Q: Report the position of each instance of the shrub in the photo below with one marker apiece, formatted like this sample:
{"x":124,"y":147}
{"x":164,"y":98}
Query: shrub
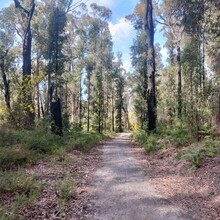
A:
{"x":18,"y":182}
{"x":83,"y":141}
{"x":12,"y":157}
{"x":148,"y":142}
{"x":151,"y":145}
{"x":200,"y":150}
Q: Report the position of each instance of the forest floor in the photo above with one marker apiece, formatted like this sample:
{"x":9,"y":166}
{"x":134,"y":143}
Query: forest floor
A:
{"x":117,"y":180}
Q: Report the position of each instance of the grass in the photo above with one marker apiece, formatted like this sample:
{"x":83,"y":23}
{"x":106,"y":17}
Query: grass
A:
{"x":179,"y":137}
{"x":11,"y":182}
{"x":19,"y":148}
{"x":24,"y":189}
{"x":162,"y":138}
{"x":200,"y":150}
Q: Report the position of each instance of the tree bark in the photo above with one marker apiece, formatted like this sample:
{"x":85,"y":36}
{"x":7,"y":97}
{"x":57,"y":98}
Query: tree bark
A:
{"x":179,"y":92}
{"x":113,"y":113}
{"x":89,"y":99}
{"x":5,"y":81}
{"x":80,"y":101}
{"x":149,"y":28}
{"x":38,"y":89}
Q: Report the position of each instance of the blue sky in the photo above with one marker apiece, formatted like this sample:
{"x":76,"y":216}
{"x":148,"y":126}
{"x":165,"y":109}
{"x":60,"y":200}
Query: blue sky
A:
{"x":122,"y":31}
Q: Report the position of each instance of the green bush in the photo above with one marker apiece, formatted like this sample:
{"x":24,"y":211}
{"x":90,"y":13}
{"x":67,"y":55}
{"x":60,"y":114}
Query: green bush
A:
{"x":151,"y":145}
{"x":200,"y":150}
{"x":66,"y":188}
{"x":86,"y":141}
{"x":148,"y":142}
{"x":24,"y":188}
{"x":179,"y":136}
{"x":195,"y":157}
{"x":18,"y":182}
{"x":12,"y":157}
{"x":20,"y":147}
{"x":141,"y":137}
{"x":163,"y":137}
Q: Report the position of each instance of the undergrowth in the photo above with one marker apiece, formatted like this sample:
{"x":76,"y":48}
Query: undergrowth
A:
{"x":163,"y":138}
{"x":200,"y":150}
{"x":179,"y":137}
{"x":23,"y":188}
{"x":19,"y":148}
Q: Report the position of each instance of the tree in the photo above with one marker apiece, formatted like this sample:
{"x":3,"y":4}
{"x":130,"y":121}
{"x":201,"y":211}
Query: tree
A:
{"x":26,"y":95}
{"x":151,"y":89}
{"x":171,"y":16}
{"x":119,"y":82}
{"x":5,"y":44}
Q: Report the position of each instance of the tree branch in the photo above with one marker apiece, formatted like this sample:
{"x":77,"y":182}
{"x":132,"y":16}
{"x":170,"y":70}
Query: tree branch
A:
{"x":75,"y":5}
{"x":18,"y":5}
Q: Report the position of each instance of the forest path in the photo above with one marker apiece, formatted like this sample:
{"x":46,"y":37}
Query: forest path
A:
{"x":121,"y":189}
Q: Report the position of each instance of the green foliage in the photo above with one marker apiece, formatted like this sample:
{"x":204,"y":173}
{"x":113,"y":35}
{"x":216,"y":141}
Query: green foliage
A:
{"x":21,"y":147}
{"x":12,"y":157}
{"x":200,"y":150}
{"x":84,"y":141}
{"x":148,"y":142}
{"x":140,"y":136}
{"x":66,"y":188}
{"x":18,"y":182}
{"x":24,"y":188}
{"x":163,"y":138}
{"x":151,"y":145}
{"x":178,"y":135}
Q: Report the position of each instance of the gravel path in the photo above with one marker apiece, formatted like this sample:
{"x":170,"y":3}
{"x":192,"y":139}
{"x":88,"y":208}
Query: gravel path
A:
{"x":121,"y":189}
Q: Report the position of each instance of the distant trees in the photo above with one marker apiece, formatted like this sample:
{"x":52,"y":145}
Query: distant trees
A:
{"x":70,"y":73}
{"x":57,"y":63}
{"x":186,"y":94}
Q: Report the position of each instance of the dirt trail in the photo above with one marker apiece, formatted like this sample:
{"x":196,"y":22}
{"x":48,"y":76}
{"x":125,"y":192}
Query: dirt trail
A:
{"x":121,"y":189}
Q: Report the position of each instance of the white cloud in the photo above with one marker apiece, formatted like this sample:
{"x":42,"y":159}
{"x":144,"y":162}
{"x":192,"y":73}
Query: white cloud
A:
{"x":121,"y":30}
{"x":164,"y":53}
{"x":122,"y":34}
{"x":127,"y":65}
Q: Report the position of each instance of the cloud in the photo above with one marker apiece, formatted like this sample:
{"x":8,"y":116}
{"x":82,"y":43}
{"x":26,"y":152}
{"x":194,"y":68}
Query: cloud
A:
{"x":121,"y":30}
{"x":127,"y":64}
{"x":164,"y":53}
{"x":122,"y":35}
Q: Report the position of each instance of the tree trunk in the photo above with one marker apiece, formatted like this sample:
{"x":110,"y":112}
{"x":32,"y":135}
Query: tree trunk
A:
{"x":38,"y":89}
{"x":26,"y":94}
{"x":56,"y":113}
{"x":88,"y":100}
{"x":127,"y":118}
{"x":5,"y":81}
{"x":113,"y":113}
{"x":179,"y":92}
{"x":149,"y":28}
{"x":80,"y":101}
